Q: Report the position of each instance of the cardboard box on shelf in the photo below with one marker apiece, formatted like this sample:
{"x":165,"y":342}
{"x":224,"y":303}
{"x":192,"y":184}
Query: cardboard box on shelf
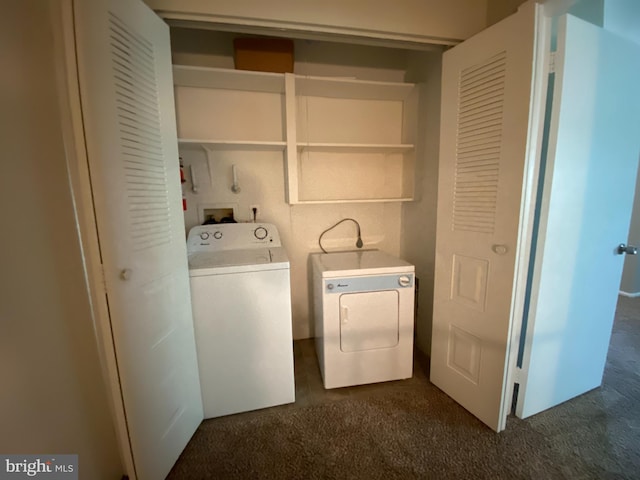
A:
{"x":263,"y":54}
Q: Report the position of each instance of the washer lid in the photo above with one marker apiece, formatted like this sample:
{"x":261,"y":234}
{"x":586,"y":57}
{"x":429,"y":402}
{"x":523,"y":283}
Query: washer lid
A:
{"x":232,"y":261}
{"x":354,"y":263}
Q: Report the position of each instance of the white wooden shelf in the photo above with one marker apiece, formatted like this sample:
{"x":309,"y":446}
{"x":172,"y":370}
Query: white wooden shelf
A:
{"x":333,"y":87}
{"x":352,"y":88}
{"x":222,"y":78}
{"x":355,"y":147}
{"x":233,"y":144}
{"x":357,"y":113}
{"x":356,"y":200}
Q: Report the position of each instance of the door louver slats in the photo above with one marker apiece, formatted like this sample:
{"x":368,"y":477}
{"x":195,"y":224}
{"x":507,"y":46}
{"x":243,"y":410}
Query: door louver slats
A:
{"x":140,"y":133}
{"x":478,"y":141}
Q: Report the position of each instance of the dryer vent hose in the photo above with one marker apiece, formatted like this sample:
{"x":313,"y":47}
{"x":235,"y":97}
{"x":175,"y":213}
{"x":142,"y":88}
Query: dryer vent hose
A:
{"x":359,"y":243}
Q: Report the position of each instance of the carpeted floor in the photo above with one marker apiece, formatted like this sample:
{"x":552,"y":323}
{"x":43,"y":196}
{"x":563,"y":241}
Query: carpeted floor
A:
{"x":410,"y":429}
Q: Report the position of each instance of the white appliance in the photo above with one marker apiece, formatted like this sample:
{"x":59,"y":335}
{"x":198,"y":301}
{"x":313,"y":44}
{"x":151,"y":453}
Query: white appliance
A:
{"x":364,"y":308}
{"x":241,"y":297}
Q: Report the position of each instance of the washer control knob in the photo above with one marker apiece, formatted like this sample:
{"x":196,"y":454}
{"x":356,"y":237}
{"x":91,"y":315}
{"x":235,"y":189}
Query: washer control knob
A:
{"x":329,"y":286}
{"x":260,"y":233}
{"x":217,"y":235}
{"x":204,"y":235}
{"x":404,"y":281}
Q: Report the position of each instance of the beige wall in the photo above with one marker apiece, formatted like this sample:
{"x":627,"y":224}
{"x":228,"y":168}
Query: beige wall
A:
{"x":53,"y":398}
{"x":631,"y":273}
{"x":419,"y":217}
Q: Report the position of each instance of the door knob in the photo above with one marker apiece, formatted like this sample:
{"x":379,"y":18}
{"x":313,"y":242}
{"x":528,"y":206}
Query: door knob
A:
{"x":500,"y":249}
{"x":125,"y":274}
{"x":628,"y":249}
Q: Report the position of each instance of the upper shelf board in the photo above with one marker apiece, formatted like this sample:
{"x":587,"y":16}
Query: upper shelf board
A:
{"x":232,"y":144}
{"x":356,"y":147}
{"x":205,"y":77}
{"x":352,"y":88}
{"x":332,"y":87}
{"x":355,"y":200}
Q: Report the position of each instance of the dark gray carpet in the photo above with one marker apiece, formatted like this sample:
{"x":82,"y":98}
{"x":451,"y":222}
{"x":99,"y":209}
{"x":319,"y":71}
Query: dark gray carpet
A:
{"x":410,"y":429}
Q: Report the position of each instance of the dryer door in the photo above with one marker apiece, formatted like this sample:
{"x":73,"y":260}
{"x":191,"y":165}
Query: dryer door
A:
{"x":368,"y":320}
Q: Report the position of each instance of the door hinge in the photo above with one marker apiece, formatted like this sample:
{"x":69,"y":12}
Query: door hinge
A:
{"x":103,"y":278}
{"x":552,"y":62}
{"x":518,"y":375}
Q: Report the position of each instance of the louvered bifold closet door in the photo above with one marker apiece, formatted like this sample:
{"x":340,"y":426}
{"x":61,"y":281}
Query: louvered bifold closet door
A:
{"x":128,"y":113}
{"x":486,"y":85}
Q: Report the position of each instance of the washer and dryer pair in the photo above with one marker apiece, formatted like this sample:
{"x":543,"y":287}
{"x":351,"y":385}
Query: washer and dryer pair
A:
{"x":241,"y":298}
{"x":364,"y":312}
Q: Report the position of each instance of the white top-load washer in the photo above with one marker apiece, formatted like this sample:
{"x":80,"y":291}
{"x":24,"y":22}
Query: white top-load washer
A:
{"x":364,"y":309}
{"x":241,"y":297}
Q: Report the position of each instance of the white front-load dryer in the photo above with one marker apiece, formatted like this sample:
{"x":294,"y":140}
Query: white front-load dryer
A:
{"x":364,"y":309}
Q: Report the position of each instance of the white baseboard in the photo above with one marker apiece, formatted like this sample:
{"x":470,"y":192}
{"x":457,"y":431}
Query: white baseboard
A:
{"x":632,"y":295}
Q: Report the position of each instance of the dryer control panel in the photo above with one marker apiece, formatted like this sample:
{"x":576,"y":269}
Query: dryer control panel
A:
{"x":232,"y":236}
{"x":369,"y":283}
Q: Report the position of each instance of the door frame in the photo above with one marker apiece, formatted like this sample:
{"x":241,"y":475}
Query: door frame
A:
{"x":62,"y":20}
{"x":68,"y":89}
{"x":531,"y":179}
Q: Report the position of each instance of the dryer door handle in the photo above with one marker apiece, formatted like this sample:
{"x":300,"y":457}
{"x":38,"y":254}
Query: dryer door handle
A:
{"x":344,"y":314}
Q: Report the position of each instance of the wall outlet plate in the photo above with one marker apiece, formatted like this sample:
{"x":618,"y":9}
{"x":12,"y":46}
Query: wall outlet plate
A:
{"x":257,"y":215}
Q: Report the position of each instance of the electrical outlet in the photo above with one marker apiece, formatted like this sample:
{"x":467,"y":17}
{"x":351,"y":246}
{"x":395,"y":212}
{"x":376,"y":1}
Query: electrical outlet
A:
{"x":254,"y":216}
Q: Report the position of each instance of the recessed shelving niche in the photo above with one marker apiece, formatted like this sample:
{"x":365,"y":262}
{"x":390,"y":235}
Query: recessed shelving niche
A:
{"x":345,"y":140}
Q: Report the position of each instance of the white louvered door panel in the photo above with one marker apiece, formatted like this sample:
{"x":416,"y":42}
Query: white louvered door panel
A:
{"x":127,"y":101}
{"x":486,"y":84}
{"x":479,"y":140}
{"x":145,"y":169}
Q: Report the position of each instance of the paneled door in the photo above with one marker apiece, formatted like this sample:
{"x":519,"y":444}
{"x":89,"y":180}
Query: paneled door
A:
{"x":486,"y":94}
{"x":126,"y":90}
